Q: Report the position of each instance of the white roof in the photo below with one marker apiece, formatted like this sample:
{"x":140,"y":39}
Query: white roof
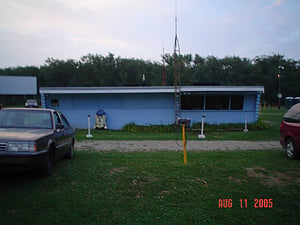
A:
{"x":148,"y":89}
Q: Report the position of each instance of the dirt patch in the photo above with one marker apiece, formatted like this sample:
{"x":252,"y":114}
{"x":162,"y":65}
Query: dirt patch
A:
{"x":172,"y":145}
{"x":273,"y":178}
{"x":144,"y":180}
{"x":236,"y":180}
{"x":117,"y":170}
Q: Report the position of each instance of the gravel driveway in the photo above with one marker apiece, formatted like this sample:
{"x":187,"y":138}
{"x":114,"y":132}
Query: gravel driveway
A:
{"x":175,"y":145}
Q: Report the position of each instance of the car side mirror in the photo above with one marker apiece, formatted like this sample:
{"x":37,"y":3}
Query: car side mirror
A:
{"x":59,"y":126}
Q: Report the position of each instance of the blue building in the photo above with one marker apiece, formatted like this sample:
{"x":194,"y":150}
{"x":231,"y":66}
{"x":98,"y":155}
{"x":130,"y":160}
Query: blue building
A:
{"x":154,"y":105}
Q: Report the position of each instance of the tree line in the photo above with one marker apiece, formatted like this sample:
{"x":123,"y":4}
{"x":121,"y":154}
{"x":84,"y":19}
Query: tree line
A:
{"x":98,"y":70}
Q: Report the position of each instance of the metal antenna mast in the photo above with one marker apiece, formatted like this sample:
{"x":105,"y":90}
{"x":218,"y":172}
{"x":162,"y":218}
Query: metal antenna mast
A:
{"x":177,"y":82}
{"x":164,"y":73}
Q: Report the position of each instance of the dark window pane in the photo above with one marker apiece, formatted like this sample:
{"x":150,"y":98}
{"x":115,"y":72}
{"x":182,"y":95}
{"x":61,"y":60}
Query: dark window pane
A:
{"x":217,"y":102}
{"x":237,"y":102}
{"x":192,"y":102}
{"x":54,"y":102}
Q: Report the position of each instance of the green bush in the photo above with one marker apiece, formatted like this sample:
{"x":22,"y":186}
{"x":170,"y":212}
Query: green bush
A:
{"x":260,"y":125}
{"x":132,"y":127}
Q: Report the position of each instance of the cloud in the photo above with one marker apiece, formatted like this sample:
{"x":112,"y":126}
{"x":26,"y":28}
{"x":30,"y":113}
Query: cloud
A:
{"x":275,"y":4}
{"x":108,"y":42}
{"x":140,"y":28}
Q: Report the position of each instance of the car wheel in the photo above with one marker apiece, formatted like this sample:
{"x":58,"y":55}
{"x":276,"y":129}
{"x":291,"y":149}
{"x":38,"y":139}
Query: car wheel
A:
{"x":290,"y":149}
{"x":48,"y":165}
{"x":70,"y":153}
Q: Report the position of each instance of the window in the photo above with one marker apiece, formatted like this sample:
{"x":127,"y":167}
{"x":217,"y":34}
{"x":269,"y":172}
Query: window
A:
{"x":57,"y":119}
{"x":25,"y":119}
{"x":64,"y":121}
{"x":237,"y":102}
{"x":192,"y":102}
{"x":54,"y":102}
{"x":217,"y":102}
{"x":212,"y":102}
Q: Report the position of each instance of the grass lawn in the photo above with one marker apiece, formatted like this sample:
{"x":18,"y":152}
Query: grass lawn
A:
{"x":157,"y":188}
{"x":273,"y":116}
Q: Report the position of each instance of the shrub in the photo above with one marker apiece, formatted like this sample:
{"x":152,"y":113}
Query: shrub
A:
{"x":260,"y":125}
{"x":132,"y":127}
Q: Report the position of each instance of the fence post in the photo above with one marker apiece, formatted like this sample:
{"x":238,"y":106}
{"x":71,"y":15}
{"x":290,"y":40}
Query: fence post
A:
{"x":201,"y":135}
{"x":246,"y":129}
{"x":89,"y":127}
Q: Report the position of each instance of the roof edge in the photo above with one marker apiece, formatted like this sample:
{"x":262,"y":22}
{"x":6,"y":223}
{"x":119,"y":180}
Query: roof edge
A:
{"x":147,"y":89}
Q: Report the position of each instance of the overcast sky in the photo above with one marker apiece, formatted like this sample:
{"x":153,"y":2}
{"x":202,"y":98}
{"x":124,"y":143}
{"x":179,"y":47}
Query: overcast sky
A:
{"x":33,"y":30}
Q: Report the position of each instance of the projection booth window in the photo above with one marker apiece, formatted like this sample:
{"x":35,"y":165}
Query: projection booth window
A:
{"x":192,"y":102}
{"x":217,"y":102}
{"x":212,"y":102}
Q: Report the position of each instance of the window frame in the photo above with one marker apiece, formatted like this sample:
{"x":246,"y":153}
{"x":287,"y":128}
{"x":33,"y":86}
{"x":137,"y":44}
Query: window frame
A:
{"x":217,"y":102}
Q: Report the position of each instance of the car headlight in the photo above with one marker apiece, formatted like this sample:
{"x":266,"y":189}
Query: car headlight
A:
{"x":22,"y":147}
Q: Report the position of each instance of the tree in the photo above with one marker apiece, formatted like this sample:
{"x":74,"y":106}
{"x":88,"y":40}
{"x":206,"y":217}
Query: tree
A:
{"x":98,"y":70}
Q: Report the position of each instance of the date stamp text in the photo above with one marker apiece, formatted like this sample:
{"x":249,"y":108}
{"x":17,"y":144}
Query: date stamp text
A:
{"x":257,"y":203}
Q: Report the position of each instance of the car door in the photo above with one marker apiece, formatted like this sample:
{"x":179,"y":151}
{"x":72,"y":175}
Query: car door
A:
{"x":59,"y":136}
{"x":68,"y":131}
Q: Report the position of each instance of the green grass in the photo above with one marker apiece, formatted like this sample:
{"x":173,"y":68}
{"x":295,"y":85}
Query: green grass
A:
{"x":156,"y":188}
{"x":271,"y":116}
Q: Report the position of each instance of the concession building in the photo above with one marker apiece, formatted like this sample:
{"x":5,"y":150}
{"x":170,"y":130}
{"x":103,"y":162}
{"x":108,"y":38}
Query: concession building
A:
{"x":154,"y":105}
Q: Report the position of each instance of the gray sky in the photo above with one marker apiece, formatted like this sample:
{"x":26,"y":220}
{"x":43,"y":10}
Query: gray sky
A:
{"x":33,"y":30}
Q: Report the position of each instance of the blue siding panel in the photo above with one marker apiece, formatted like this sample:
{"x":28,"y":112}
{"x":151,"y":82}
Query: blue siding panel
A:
{"x":43,"y":101}
{"x":249,"y":103}
{"x":142,"y":109}
{"x":121,"y":109}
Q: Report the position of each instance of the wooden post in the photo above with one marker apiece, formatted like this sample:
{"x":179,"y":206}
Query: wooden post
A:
{"x":184,"y":144}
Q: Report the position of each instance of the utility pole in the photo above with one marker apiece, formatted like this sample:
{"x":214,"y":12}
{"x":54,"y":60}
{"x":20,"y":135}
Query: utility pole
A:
{"x":279,"y":95}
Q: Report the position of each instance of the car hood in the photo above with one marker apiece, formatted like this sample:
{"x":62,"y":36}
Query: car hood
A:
{"x":21,"y":134}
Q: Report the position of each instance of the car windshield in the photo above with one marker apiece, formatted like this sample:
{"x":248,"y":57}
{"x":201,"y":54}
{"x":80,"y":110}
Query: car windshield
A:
{"x":25,"y":119}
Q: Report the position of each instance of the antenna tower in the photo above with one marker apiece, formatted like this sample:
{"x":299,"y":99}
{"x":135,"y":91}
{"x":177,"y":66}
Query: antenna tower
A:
{"x":177,"y":82}
{"x":164,"y":74}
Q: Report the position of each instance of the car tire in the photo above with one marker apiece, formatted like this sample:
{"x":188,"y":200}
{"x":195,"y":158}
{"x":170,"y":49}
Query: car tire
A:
{"x":70,"y":153}
{"x":290,"y":149}
{"x":48,"y":164}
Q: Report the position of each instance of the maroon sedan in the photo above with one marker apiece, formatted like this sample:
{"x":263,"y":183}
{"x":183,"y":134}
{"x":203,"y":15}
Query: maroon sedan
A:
{"x":290,"y":132}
